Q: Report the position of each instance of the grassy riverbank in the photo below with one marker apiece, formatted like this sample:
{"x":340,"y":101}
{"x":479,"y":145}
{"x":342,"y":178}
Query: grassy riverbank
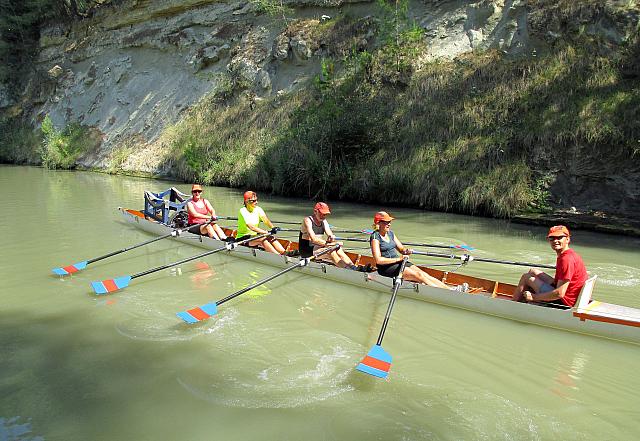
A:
{"x":482,"y":134}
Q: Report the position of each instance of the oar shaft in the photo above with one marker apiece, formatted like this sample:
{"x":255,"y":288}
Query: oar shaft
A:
{"x":273,"y":276}
{"x":258,"y":283}
{"x":413,"y":244}
{"x":480,"y":259}
{"x":131,"y":247}
{"x":397,"y":281}
{"x":198,"y":256}
{"x":273,"y":221}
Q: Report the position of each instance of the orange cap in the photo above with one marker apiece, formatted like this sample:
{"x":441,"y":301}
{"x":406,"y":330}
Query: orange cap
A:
{"x":196,"y":187}
{"x":249,"y":195}
{"x":322,"y":208}
{"x":382,"y":216}
{"x":558,"y":230}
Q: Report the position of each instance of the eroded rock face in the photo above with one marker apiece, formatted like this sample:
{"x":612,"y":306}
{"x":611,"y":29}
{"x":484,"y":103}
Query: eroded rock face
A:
{"x":131,"y":70}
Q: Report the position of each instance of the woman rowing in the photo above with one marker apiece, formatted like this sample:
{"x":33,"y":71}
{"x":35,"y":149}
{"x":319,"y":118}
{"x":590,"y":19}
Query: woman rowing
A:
{"x":201,"y":216}
{"x":249,"y":219}
{"x":310,"y":239}
{"x":388,"y":252}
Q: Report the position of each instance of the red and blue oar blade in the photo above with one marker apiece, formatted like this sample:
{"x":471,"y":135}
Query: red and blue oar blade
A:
{"x":199,"y":313}
{"x":66,"y":270}
{"x":464,"y":247}
{"x":376,"y":363}
{"x":111,"y":285}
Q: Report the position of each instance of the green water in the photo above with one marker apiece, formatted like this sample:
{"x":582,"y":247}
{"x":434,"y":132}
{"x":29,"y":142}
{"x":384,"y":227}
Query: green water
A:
{"x":278,"y":362}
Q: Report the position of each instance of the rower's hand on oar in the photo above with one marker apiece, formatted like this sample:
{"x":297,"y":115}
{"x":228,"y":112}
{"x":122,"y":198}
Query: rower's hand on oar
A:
{"x":407,"y":251}
{"x":275,"y":230}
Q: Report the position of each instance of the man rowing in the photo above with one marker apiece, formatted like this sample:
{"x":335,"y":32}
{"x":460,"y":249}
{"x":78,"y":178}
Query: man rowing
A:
{"x":249,"y":218}
{"x":311,"y":238}
{"x":571,"y":274}
{"x":201,"y":215}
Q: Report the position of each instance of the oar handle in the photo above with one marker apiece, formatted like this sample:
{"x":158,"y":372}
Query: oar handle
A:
{"x":301,"y":263}
{"x":469,"y":258}
{"x":397,"y":281}
{"x":189,"y":259}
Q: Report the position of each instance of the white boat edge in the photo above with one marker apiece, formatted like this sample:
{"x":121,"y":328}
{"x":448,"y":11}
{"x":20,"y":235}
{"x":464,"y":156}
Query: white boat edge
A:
{"x":616,"y":322}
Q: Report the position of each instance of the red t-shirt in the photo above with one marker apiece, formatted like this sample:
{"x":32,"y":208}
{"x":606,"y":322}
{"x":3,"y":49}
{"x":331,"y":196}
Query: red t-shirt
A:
{"x":569,"y":266}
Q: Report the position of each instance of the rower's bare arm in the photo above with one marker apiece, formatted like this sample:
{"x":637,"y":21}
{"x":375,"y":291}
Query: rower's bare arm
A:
{"x":267,"y":222}
{"x":401,"y":247}
{"x":209,"y":207}
{"x":312,"y":236}
{"x":327,"y":230}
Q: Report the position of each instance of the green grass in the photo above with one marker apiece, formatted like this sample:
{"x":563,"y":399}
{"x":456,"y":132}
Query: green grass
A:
{"x":61,"y":149}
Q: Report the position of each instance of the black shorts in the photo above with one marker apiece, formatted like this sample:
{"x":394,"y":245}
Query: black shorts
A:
{"x":557,"y":303}
{"x":391,"y":270}
{"x":195,"y":229}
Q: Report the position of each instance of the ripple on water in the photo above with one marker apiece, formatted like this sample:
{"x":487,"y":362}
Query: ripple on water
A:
{"x":266,"y":373}
{"x":615,"y":275}
{"x":154,"y":320}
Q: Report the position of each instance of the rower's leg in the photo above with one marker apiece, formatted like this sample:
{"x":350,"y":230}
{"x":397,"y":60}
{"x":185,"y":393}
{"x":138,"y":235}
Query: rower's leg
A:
{"x":415,"y":274}
{"x":208,"y":231}
{"x":278,"y":246}
{"x":343,"y":257}
{"x":219,"y":231}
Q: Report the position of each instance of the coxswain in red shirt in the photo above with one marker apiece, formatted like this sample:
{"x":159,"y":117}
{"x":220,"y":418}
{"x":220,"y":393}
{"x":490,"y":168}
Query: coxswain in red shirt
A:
{"x":571,"y":274}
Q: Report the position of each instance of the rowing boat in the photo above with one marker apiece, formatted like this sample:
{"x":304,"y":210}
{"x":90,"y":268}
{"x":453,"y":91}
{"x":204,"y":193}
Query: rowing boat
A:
{"x":485,"y":296}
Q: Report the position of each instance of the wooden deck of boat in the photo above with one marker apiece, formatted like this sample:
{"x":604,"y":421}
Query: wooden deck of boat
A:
{"x":609,"y":313}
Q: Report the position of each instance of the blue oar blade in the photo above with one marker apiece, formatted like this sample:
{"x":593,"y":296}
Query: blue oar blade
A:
{"x":377,"y":362}
{"x":464,"y":247}
{"x":111,"y":285}
{"x":66,"y":270}
{"x":198,"y":314}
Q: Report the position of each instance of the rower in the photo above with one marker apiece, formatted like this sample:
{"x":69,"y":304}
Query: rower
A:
{"x":389,"y":252}
{"x":202,"y":216}
{"x":310,"y":239}
{"x":249,"y":218}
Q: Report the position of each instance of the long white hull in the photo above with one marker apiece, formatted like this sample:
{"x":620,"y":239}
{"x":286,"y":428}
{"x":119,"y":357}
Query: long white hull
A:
{"x":621,"y":324}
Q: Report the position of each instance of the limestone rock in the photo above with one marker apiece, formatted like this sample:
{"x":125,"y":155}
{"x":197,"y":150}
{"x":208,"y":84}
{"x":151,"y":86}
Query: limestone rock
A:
{"x":55,"y":71}
{"x":280,"y":50}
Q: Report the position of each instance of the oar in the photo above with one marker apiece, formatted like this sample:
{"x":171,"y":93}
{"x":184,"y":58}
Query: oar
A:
{"x":203,"y":312}
{"x":111,"y":285}
{"x":378,"y":361}
{"x":467,"y":258}
{"x":70,"y":269}
{"x":413,"y":244}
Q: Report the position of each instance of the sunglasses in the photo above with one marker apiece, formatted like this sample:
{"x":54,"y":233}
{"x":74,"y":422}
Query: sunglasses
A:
{"x":385,"y":222}
{"x":252,"y":201}
{"x":196,"y":191}
{"x":552,"y":238}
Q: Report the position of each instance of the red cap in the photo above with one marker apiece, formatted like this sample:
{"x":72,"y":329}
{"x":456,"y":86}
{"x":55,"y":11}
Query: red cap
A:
{"x":382,"y":216}
{"x":322,"y":208}
{"x":558,"y":230}
{"x":250,"y":195}
{"x":196,"y":187}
